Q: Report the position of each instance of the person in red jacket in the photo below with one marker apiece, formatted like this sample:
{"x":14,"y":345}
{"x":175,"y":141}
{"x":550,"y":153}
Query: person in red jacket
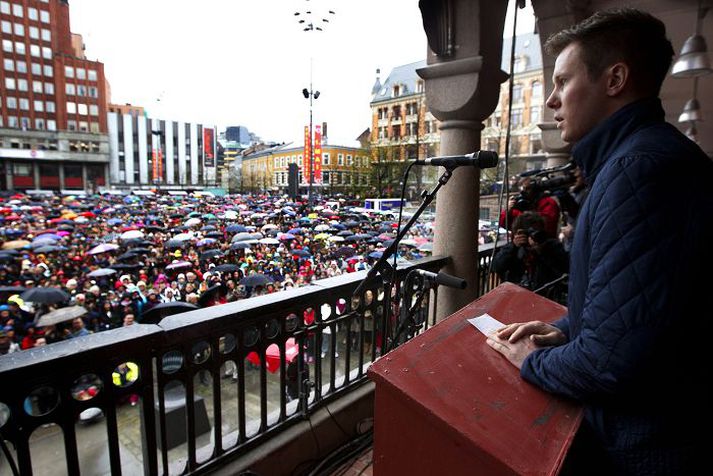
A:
{"x":532,"y":199}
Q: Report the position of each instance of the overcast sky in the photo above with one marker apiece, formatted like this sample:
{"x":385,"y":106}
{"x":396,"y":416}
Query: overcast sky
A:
{"x":245,"y":62}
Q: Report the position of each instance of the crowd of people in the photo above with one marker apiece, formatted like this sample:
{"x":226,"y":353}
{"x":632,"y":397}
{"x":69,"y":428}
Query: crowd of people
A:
{"x":111,"y":259}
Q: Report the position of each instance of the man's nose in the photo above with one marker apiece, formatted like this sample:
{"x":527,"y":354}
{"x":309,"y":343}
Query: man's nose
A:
{"x":553,"y":101}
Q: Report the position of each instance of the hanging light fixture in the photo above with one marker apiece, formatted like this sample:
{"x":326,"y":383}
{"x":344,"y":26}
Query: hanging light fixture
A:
{"x":694,"y":60}
{"x":692,"y":109}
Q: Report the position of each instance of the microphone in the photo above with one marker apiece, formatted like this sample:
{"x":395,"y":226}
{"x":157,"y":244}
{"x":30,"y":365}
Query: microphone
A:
{"x":443,"y":279}
{"x":482,"y":159}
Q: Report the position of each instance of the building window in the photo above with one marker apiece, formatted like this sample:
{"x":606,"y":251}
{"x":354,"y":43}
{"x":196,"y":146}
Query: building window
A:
{"x":396,"y":92}
{"x":81,"y":73}
{"x":12,"y":121}
{"x":396,"y":132}
{"x":83,"y":126}
{"x":40,"y":124}
{"x":516,"y":117}
{"x":325,"y":159}
{"x":68,"y":72}
{"x":535,"y":114}
{"x":7,"y":46}
{"x":10,"y":83}
{"x":46,"y":35}
{"x":71,"y":125}
{"x":5,"y":8}
{"x":24,"y":104}
{"x":93,"y":92}
{"x":517,"y":92}
{"x":44,"y":16}
{"x":19,"y":29}
{"x":8,"y":64}
{"x":70,"y":89}
{"x":94,"y":127}
{"x":49,"y":106}
{"x":46,"y":52}
{"x":91,"y":75}
{"x":34,"y":33}
{"x":396,"y":114}
{"x":21,"y":67}
{"x":51,"y":125}
{"x":11,"y":102}
{"x":93,"y":110}
{"x":49,"y":88}
{"x":81,"y":90}
{"x":536,"y":89}
{"x":36,"y":68}
{"x":22,"y":85}
{"x":48,"y":70}
{"x":71,"y":108}
{"x":39,"y":106}
{"x":419,"y":86}
{"x":349,"y":160}
{"x":17,"y":10}
{"x":32,"y":13}
{"x":6,"y":27}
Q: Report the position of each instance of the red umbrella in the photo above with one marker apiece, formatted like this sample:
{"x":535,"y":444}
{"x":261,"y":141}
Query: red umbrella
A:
{"x":88,"y":214}
{"x":44,"y":232}
{"x":272,"y":355}
{"x":12,"y":218}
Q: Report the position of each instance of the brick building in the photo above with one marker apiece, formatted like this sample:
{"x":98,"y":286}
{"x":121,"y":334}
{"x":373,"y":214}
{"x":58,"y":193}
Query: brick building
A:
{"x":53,"y":102}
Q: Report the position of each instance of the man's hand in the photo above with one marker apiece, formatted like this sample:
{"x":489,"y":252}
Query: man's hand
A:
{"x":520,"y":239}
{"x":515,"y":352}
{"x":538,"y":332}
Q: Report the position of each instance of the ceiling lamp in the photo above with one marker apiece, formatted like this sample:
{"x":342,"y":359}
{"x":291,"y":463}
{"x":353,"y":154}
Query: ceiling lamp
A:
{"x":693,"y":60}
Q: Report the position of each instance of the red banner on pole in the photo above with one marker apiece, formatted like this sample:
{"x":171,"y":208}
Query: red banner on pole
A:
{"x":154,"y":163}
{"x":318,"y":154}
{"x":305,"y":157}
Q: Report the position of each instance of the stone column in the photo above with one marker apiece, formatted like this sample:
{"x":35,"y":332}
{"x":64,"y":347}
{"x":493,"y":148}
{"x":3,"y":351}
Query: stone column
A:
{"x":462,"y":85}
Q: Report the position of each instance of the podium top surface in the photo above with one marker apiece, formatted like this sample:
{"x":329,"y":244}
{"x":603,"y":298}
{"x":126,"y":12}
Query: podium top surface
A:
{"x":450,"y":376}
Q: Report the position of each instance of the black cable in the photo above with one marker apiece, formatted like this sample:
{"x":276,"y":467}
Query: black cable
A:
{"x":505,"y":189}
{"x":365,"y":467}
{"x":326,"y":407}
{"x":335,"y":459}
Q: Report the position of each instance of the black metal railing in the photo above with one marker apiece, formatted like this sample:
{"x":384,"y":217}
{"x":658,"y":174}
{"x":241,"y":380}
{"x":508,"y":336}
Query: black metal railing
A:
{"x":250,"y":369}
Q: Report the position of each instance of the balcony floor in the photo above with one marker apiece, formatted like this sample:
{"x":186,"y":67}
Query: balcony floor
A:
{"x":361,"y":466}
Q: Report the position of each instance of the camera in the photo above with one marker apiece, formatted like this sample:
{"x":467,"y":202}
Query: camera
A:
{"x":538,"y":236}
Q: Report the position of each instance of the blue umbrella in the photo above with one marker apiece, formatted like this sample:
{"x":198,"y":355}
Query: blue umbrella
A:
{"x":236,"y":229}
{"x":302,"y":253}
{"x":114,"y":221}
{"x":206,"y":242}
{"x":375,"y":254}
{"x":295,"y":231}
{"x":47,"y":236}
{"x":13,"y":233}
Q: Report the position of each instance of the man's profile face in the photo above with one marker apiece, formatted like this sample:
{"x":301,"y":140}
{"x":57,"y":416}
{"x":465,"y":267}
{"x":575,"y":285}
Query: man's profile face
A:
{"x":577,"y":100}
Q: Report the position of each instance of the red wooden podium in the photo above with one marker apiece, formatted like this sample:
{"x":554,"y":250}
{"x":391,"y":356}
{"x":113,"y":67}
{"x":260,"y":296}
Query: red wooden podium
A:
{"x":446,"y":403}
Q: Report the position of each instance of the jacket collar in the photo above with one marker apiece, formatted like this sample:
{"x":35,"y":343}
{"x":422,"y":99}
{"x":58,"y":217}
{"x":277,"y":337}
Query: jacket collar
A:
{"x":593,"y":150}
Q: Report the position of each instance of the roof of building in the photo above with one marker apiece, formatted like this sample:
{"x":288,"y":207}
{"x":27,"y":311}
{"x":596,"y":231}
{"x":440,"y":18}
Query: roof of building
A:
{"x":405,"y":77}
{"x":527,"y":46}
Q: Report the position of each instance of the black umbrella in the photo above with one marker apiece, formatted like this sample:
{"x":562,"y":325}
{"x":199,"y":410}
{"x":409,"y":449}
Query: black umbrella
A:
{"x":173,"y":244}
{"x":140,"y":250}
{"x":7,"y":258}
{"x":127,"y":256}
{"x":256,"y":279}
{"x":211,"y":254}
{"x":153,"y":228}
{"x":229,"y":268}
{"x":125,"y":266}
{"x":345,"y":252}
{"x":240,"y":245}
{"x":10,"y":252}
{"x":165,"y":309}
{"x":44,"y":295}
{"x":214,"y":234}
{"x":211,"y":293}
{"x":97,"y":273}
{"x":345,"y":233}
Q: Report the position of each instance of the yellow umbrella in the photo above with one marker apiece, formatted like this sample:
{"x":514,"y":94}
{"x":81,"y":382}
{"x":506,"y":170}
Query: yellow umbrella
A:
{"x":322,"y":236}
{"x":69,"y":215}
{"x":313,"y":215}
{"x":15,"y":244}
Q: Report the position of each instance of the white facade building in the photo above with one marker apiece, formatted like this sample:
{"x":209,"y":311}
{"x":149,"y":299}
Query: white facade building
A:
{"x":149,"y":153}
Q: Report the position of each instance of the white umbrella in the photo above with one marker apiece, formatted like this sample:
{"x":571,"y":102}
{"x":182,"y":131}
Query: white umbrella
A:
{"x":132,"y":234}
{"x":336,"y":238}
{"x":231,"y":215}
{"x":184,"y":236}
{"x":321,"y":228}
{"x":269,"y":241}
{"x":193,"y":221}
{"x":269,"y":226}
{"x":60,"y":315}
{"x":103,"y":248}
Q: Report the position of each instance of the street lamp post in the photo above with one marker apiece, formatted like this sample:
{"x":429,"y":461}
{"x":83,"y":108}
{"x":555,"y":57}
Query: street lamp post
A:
{"x":310,"y":94}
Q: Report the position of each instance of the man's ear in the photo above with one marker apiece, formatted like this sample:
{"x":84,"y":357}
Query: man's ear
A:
{"x":617,"y":79}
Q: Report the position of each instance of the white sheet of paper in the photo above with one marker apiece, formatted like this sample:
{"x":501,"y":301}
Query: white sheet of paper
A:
{"x":486,"y":324}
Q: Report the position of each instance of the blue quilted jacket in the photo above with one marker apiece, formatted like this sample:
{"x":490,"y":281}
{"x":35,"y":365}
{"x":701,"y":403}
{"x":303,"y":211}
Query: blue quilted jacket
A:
{"x":639,"y":318}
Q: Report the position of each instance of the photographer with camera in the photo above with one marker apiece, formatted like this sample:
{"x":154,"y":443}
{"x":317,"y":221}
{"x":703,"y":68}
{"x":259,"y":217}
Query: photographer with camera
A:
{"x":533,"y":198}
{"x":532,"y":259}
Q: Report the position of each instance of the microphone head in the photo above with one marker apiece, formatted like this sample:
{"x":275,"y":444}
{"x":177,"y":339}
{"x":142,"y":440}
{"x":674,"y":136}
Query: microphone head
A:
{"x":487,"y":159}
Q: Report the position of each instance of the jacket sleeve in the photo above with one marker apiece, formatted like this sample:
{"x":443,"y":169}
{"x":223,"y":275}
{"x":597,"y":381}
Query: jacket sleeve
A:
{"x":627,"y":305}
{"x":549,"y":209}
